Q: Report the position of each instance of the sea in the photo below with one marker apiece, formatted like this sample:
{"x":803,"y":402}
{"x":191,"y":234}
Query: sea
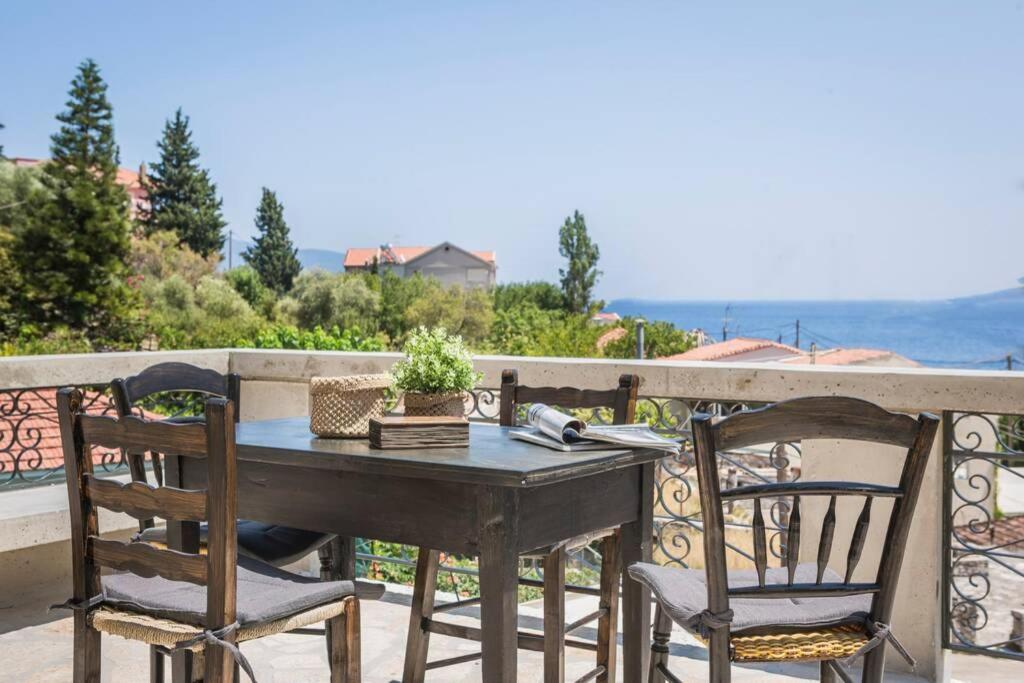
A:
{"x":978,"y":332}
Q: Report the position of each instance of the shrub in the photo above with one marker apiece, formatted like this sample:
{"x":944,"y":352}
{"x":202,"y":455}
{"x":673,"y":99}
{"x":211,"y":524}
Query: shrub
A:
{"x":335,"y":299}
{"x":544,"y":295}
{"x":468,"y":313}
{"x":660,"y":339}
{"x":435,"y":363}
{"x":246,"y":281}
{"x":317,"y":339}
{"x":158,"y":256}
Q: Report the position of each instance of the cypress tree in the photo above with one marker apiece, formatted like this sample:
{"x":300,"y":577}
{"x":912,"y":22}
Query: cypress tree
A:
{"x":182,"y":197}
{"x":273,"y":255}
{"x":581,"y":273}
{"x":73,"y":250}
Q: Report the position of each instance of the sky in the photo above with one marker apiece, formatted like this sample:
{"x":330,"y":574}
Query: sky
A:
{"x":717,"y":150}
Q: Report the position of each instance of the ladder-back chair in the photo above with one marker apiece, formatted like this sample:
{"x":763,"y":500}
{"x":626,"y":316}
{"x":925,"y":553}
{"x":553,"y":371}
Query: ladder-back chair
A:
{"x":796,"y":612}
{"x":622,"y":402}
{"x":179,"y":600}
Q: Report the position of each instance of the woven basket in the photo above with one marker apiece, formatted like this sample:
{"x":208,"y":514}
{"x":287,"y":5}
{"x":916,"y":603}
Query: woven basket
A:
{"x":343,"y":406}
{"x":452,"y":404}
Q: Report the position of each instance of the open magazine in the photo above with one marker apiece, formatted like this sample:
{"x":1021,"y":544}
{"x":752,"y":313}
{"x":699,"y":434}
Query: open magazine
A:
{"x":554,"y":429}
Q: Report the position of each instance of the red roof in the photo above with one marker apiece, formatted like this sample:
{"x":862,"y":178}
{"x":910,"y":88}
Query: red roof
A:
{"x":358,"y":257}
{"x":37,"y":445}
{"x":733,"y":347}
{"x":851,"y":357}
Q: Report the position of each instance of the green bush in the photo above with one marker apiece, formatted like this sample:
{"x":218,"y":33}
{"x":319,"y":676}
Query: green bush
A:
{"x":335,"y":299}
{"x":660,"y":339}
{"x":246,"y":281}
{"x":468,"y":313}
{"x":544,"y":295}
{"x":317,"y":339}
{"x":435,"y":363}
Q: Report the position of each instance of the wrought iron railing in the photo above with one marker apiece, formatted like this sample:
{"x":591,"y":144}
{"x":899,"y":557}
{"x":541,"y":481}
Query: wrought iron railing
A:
{"x":984,"y":546}
{"x":30,"y":446}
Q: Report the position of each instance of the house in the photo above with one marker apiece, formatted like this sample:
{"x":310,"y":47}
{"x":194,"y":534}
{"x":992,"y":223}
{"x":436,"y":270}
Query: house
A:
{"x":130,"y":180}
{"x":451,"y":265}
{"x":752,"y":350}
{"x":605,"y":318}
{"x":740,"y":350}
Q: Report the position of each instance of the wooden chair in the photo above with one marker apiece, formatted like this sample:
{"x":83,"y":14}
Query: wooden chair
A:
{"x":836,"y":618}
{"x":271,"y":543}
{"x":622,"y":402}
{"x":179,"y":600}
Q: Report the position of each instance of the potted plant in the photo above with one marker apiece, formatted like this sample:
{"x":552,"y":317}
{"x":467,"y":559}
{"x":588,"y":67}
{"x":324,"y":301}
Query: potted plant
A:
{"x":435,"y":374}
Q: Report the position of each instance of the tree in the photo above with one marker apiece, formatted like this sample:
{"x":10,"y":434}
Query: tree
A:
{"x":182,"y":197}
{"x":543,"y":295}
{"x":581,"y":273}
{"x":468,"y":313}
{"x":273,"y":255}
{"x":73,"y":250}
{"x":329,"y":300}
{"x":2,"y":126}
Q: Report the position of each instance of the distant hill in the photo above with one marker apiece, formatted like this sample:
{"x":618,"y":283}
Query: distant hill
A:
{"x":309,"y":258}
{"x":1003,"y":296}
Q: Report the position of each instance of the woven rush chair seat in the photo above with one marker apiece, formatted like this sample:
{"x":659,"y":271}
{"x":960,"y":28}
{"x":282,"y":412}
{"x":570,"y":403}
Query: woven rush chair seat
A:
{"x":271,"y":543}
{"x":683,"y":593}
{"x":825,"y":643}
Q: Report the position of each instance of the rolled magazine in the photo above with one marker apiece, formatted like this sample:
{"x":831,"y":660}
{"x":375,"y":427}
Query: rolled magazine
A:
{"x":555,"y":429}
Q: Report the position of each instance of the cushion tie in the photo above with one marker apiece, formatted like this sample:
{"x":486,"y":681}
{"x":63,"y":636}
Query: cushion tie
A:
{"x":216,"y":638}
{"x":712,"y":621}
{"x":79,"y":605}
{"x":879,"y":634}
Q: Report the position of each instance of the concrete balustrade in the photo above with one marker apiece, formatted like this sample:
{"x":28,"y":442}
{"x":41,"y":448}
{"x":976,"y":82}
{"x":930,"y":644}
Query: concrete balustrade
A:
{"x":275,"y":385}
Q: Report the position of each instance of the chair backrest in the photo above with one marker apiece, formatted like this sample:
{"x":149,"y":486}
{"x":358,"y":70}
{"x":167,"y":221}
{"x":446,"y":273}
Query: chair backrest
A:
{"x":621,"y":400}
{"x":213,"y":440}
{"x":797,"y":420}
{"x":168,"y":378}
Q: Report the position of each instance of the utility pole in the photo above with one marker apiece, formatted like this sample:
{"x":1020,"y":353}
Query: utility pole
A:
{"x":725,"y":322}
{"x":797,"y":344}
{"x":640,"y":338}
{"x":1009,"y":361}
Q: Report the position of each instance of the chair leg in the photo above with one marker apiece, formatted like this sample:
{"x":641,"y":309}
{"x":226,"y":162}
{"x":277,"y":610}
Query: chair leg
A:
{"x":659,"y":645}
{"x":718,"y":656}
{"x":156,"y":665}
{"x":608,"y":625}
{"x":422,"y":608}
{"x":87,"y":650}
{"x":554,"y":616}
{"x":825,"y":673}
{"x":874,"y":665}
{"x":346,"y":657}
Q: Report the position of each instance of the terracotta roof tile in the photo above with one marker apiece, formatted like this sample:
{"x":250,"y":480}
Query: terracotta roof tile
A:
{"x":732,"y":347}
{"x":358,"y":257}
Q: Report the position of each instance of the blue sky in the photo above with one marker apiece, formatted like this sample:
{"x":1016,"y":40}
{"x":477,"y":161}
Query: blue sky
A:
{"x":749,"y":151}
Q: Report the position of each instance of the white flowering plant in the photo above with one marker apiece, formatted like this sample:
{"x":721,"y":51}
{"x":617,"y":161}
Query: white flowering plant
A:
{"x":435,"y":363}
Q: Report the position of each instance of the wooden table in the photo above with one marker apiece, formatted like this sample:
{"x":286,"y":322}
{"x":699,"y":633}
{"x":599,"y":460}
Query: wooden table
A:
{"x":496,"y":499}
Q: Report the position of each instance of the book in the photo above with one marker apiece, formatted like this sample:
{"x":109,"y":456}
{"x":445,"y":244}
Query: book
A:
{"x":559,"y":431}
{"x":419,"y":432}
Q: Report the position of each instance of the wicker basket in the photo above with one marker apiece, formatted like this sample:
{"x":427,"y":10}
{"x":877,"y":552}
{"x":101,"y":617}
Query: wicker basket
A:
{"x":452,"y":404}
{"x":343,"y":406}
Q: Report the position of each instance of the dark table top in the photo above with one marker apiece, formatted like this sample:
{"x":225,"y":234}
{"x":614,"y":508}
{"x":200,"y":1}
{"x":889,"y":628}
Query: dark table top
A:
{"x":492,"y":457}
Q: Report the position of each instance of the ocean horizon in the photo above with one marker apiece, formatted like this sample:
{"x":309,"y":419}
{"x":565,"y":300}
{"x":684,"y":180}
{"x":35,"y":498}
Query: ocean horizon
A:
{"x":976,"y":332}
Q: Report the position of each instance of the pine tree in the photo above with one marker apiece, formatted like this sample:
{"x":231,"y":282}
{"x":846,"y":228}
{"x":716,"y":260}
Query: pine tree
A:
{"x":182,"y":197}
{"x":273,"y":255}
{"x":581,"y":274}
{"x":73,"y":250}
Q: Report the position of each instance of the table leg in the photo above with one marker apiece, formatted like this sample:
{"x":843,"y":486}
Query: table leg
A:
{"x":498,"y":510}
{"x":636,"y":598}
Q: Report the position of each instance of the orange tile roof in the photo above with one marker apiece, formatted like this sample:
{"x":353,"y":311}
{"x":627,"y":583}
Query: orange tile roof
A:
{"x":848,"y":357}
{"x":612,"y":335}
{"x":732,"y":347}
{"x":358,"y":257}
{"x":127,"y":178}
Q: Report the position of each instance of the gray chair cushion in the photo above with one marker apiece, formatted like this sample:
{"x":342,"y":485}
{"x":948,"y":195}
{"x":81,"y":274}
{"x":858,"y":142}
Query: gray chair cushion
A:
{"x":265,"y":593}
{"x":271,"y":543}
{"x":683,"y":592}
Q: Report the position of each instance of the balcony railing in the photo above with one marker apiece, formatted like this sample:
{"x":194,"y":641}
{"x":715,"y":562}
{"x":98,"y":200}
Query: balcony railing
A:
{"x":964,"y":548}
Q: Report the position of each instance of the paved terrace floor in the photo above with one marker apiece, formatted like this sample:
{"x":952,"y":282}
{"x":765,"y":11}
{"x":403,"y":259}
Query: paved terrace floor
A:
{"x":39,"y":651}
